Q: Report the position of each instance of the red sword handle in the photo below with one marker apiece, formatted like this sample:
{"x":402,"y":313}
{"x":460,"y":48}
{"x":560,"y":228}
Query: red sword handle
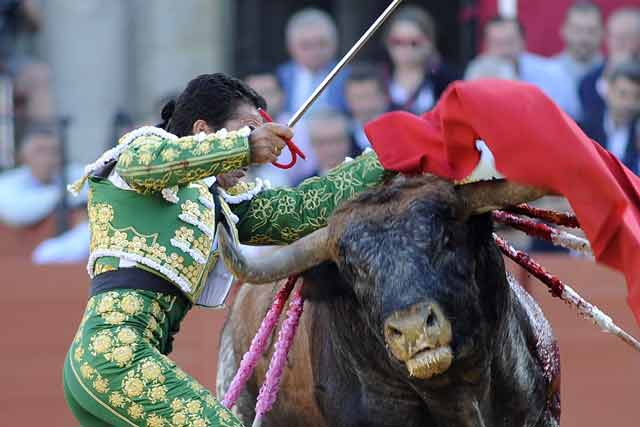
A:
{"x":295,"y":151}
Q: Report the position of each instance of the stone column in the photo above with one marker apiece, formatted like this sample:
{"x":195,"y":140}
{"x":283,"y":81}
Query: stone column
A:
{"x":85,"y":43}
{"x":174,"y":42}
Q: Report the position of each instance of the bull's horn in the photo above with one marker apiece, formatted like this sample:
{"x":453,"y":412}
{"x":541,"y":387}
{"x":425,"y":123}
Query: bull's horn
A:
{"x":485,"y":196}
{"x":283,"y":262}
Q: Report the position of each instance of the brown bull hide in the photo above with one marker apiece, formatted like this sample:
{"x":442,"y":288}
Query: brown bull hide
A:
{"x":296,"y":390}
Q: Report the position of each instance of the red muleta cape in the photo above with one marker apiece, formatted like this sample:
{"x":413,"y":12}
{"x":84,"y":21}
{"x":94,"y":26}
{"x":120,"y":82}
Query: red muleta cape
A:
{"x":533,"y":143}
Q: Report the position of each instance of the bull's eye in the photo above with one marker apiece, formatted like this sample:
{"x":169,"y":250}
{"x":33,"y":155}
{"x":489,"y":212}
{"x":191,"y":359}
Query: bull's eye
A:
{"x":394,"y":332}
{"x":431,"y":320}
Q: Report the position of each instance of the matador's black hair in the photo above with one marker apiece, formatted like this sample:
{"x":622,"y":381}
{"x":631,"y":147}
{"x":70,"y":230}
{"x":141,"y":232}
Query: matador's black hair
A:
{"x":209,"y":97}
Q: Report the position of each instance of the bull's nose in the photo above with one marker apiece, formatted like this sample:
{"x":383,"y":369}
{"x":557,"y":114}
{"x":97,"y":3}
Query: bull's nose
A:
{"x":420,"y":327}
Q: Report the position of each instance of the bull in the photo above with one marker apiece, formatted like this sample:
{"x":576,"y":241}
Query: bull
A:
{"x":411,"y":318}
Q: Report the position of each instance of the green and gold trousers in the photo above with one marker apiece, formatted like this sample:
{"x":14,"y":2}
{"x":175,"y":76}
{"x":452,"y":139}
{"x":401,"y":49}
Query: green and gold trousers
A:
{"x":116,"y":374}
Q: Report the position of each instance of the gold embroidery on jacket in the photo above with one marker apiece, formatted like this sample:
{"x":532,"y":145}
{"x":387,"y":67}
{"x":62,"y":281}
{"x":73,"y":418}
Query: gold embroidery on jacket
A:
{"x":128,"y":240}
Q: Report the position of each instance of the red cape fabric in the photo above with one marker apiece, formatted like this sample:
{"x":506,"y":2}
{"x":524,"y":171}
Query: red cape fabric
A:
{"x":533,"y":143}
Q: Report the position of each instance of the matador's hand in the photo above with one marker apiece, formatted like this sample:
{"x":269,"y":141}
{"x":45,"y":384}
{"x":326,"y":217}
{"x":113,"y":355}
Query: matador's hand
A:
{"x":267,"y":142}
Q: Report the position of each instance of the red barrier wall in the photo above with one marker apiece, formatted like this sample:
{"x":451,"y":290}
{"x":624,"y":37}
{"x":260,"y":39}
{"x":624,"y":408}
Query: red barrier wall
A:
{"x":600,"y":374}
{"x":40,"y":310}
{"x":41,"y":306}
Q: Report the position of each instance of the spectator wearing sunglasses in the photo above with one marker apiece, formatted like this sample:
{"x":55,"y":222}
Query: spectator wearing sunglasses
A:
{"x":417,"y":76}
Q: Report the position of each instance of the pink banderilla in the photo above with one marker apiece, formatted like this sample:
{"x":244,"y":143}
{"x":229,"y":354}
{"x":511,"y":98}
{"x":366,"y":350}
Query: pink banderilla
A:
{"x":258,"y":344}
{"x":269,"y":389}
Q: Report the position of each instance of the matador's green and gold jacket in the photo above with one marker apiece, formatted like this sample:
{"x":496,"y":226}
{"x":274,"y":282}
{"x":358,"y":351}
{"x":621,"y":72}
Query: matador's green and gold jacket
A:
{"x":155,"y":211}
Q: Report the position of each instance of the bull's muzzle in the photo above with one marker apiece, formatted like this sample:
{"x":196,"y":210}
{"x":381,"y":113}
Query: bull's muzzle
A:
{"x":420,"y":337}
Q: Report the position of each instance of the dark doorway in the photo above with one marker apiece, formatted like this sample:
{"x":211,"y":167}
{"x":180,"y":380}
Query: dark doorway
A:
{"x":260,"y":27}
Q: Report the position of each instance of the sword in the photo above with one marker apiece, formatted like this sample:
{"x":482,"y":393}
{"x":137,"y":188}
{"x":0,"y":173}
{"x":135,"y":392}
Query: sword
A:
{"x":344,"y":61}
{"x":216,"y":291}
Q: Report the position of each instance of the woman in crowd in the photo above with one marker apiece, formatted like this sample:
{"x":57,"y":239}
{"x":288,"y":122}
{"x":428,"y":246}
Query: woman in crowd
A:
{"x":417,"y":76}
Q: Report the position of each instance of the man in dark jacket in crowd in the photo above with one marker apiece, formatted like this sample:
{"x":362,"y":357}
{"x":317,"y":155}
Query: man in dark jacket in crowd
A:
{"x":617,"y":127}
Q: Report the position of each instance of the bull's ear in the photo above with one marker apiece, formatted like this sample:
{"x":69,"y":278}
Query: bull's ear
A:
{"x":324,"y":282}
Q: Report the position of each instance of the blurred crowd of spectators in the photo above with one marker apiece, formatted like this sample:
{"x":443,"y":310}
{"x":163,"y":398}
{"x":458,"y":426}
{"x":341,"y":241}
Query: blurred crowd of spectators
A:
{"x":32,"y":191}
{"x":595,"y":80}
{"x":600,"y":92}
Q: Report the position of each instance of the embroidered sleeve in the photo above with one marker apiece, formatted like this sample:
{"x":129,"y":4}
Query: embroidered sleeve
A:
{"x":281,"y":216}
{"x":152,"y":163}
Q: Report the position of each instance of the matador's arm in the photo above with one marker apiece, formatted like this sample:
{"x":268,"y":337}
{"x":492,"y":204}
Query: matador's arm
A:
{"x":281,"y":216}
{"x":152,"y":163}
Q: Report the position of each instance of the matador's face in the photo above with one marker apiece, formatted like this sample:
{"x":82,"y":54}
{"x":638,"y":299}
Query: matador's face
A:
{"x":244,"y":115}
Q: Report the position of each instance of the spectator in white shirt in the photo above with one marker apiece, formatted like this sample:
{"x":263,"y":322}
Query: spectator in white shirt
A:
{"x":31,"y":192}
{"x":69,"y":247}
{"x":504,"y":38}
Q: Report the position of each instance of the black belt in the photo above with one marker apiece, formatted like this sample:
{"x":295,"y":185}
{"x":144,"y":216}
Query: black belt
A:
{"x":133,"y":278}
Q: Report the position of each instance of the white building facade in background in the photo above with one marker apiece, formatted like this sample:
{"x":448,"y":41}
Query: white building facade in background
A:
{"x":124,"y":55}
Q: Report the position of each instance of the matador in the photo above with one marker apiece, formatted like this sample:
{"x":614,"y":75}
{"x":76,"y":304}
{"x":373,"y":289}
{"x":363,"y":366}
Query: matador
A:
{"x":154,"y":206}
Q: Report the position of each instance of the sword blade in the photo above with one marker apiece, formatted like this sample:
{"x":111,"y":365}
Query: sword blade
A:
{"x":344,"y":61}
